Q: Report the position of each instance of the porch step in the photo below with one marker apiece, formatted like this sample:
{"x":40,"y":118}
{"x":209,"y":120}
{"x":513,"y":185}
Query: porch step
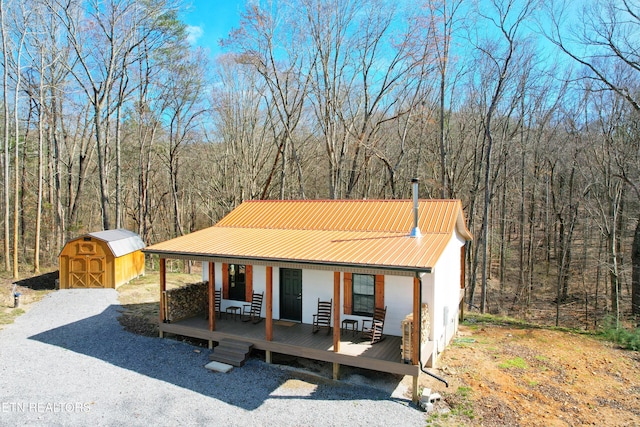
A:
{"x":231,"y":352}
{"x":240,"y":345}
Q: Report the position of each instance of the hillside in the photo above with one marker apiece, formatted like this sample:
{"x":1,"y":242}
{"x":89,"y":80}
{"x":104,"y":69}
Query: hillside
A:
{"x":530,"y":377}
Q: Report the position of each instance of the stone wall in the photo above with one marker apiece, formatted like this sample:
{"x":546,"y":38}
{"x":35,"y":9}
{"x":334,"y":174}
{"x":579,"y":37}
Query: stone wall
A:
{"x":187,"y":301}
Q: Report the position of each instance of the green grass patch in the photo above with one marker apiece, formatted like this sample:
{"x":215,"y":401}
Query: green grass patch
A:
{"x":463,"y":341}
{"x":10,"y":315}
{"x":517,"y":362}
{"x":463,"y":405}
{"x":510,"y":322}
{"x":475,"y":319}
{"x":628,"y":339}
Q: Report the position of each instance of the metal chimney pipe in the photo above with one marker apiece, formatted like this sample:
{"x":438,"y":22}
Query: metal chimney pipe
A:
{"x":415,"y":231}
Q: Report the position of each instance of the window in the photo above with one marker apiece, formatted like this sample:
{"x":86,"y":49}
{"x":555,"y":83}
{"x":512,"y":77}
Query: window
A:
{"x":365,"y":289}
{"x":364,"y":295}
{"x":237,"y":282}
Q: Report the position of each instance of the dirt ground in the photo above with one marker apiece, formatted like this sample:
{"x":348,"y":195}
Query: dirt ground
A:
{"x":531,"y":377}
{"x":498,"y":375}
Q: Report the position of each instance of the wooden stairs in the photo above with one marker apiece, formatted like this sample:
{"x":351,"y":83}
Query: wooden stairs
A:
{"x":231,"y":352}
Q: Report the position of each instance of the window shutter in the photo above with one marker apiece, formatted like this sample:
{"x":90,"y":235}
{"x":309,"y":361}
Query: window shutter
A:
{"x":379,"y":290}
{"x":225,"y":281}
{"x":248,"y":290}
{"x":348,"y":294}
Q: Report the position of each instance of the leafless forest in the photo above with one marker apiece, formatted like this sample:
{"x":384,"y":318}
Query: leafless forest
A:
{"x":525,"y":110}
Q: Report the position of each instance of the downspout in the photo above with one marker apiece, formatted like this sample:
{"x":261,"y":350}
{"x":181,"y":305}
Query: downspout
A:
{"x":420,"y":340}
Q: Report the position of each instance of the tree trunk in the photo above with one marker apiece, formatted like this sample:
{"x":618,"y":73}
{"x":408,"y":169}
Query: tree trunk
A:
{"x":5,"y":138}
{"x":635,"y":275}
{"x":102,"y":174}
{"x":39,"y":196}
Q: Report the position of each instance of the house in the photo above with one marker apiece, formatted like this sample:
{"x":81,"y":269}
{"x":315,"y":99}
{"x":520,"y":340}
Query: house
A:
{"x":103,"y":259}
{"x":407,"y":256}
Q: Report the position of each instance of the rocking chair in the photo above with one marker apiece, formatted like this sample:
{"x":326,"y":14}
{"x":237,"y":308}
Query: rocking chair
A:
{"x":322,"y":319}
{"x":373,"y":333}
{"x":252,"y":311}
{"x":218,"y":302}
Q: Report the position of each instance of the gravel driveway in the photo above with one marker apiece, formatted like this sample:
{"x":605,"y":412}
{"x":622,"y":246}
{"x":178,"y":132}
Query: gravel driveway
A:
{"x":67,"y":361}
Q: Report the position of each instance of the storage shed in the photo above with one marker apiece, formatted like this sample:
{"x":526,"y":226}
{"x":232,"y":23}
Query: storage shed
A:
{"x":104,"y":259}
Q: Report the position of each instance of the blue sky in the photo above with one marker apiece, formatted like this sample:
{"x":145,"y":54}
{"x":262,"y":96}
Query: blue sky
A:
{"x":211,"y":20}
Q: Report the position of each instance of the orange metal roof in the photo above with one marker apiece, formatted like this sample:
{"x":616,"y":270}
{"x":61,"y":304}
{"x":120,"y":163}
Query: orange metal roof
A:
{"x":366,"y":233}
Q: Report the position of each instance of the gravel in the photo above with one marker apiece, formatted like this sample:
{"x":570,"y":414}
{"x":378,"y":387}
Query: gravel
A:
{"x":67,"y":361}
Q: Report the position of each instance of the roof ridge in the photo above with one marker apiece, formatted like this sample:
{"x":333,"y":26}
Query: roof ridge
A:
{"x":344,"y":200}
{"x":355,"y":230}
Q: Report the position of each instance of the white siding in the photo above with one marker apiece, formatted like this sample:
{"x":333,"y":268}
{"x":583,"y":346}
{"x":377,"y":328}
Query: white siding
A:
{"x":440,"y":291}
{"x":315,"y":284}
{"x":319,"y":284}
{"x":445,"y":307}
{"x":398,"y":297}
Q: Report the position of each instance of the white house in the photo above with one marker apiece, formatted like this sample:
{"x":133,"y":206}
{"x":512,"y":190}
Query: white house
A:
{"x":407,"y":256}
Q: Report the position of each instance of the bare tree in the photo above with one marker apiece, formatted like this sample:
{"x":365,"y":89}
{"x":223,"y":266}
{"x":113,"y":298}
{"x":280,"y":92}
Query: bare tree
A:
{"x":380,"y":94}
{"x":40,"y":63}
{"x":274,"y":51}
{"x":245,"y":161}
{"x":601,"y":40}
{"x":508,"y":21}
{"x":183,"y":91}
{"x":104,"y":41}
{"x":445,"y":15}
{"x":5,"y":133}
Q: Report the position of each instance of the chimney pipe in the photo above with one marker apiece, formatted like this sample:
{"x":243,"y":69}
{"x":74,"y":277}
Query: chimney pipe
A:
{"x":415,"y":231}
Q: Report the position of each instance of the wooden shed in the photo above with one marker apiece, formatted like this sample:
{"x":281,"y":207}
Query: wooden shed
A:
{"x":104,"y":259}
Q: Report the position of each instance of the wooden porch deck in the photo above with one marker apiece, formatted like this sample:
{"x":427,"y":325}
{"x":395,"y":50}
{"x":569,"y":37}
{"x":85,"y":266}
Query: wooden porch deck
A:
{"x":296,"y":339}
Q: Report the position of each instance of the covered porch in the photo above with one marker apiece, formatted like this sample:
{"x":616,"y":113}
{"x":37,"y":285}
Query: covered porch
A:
{"x":297,"y":339}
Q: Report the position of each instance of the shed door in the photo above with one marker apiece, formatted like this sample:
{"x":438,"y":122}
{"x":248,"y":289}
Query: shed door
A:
{"x":87,"y":272}
{"x":291,"y":294}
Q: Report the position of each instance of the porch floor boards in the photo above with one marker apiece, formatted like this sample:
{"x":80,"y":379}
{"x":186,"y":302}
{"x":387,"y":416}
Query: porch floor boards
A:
{"x":298,"y":340}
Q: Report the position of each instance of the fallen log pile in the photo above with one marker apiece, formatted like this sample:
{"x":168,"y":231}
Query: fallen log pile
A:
{"x":408,"y":331}
{"x":186,"y":301}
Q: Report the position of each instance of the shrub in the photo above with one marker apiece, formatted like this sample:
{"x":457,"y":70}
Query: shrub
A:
{"x":625,"y":338}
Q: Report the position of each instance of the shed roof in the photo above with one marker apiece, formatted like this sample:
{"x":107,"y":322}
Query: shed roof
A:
{"x":120,"y":241}
{"x":363,"y":233}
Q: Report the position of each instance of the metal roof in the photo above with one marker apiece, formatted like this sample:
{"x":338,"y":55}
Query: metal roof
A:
{"x":363,"y":233}
{"x":120,"y":241}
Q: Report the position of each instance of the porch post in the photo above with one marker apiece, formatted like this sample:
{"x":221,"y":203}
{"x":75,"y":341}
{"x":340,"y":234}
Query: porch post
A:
{"x":163,"y":288}
{"x":269,"y":313}
{"x":336,"y":311}
{"x":336,"y":321}
{"x":212,"y":297}
{"x":415,"y":337}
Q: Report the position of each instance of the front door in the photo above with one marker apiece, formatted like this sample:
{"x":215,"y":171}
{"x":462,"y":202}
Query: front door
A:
{"x":291,"y":294}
